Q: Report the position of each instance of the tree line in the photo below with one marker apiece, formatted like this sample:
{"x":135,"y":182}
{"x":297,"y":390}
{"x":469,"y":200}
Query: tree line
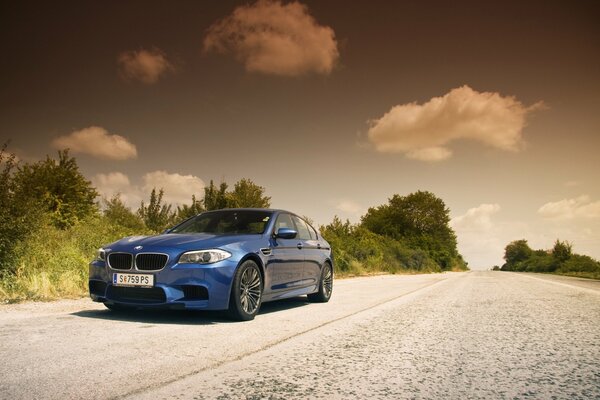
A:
{"x":51,"y":223}
{"x":560,"y":259}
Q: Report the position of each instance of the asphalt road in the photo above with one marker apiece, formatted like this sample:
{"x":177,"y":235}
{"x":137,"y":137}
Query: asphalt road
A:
{"x":457,"y":335}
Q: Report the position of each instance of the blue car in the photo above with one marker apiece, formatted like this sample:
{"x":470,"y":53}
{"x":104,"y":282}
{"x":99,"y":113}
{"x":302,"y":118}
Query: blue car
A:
{"x":232,"y":259}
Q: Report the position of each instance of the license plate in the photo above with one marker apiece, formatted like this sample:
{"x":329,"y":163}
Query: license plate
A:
{"x":143,"y":280}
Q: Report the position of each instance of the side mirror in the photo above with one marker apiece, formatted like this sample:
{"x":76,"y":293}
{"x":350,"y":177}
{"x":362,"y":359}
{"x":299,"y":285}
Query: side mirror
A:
{"x":286,"y":233}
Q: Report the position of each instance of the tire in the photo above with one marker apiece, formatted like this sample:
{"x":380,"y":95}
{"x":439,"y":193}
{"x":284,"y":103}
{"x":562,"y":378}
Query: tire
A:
{"x":325,"y":286}
{"x":117,"y":307}
{"x":246,"y":292}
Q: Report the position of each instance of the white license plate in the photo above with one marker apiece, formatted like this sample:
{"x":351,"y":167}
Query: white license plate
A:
{"x":144,"y":280}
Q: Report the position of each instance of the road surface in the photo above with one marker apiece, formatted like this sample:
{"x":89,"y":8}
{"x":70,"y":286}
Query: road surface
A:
{"x":455,"y":335}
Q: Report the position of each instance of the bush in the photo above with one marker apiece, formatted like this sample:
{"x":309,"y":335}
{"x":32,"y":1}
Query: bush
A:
{"x":53,"y":262}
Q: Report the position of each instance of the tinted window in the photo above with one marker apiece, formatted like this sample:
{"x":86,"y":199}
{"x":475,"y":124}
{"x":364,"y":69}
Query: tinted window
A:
{"x":303,"y":232}
{"x":227,"y":222}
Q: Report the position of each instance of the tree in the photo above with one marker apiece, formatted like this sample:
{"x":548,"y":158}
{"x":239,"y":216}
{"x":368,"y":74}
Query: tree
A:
{"x":248,"y":194}
{"x":562,"y":251}
{"x":18,"y":217}
{"x":215,"y":199}
{"x":421,"y":220}
{"x":516,"y":252}
{"x":118,"y":213}
{"x":61,"y":189}
{"x":156,"y":215}
{"x":184,"y":211}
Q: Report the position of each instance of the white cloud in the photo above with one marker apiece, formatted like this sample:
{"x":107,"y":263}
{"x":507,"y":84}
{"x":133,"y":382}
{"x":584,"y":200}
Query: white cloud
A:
{"x":117,"y":183}
{"x":481,"y":241}
{"x":580,"y":207}
{"x":349,"y":207}
{"x":275,"y":38}
{"x":430,"y":154}
{"x":421,"y":131}
{"x":145,"y":66}
{"x":478,"y":219}
{"x":178,"y":188}
{"x":96,"y":141}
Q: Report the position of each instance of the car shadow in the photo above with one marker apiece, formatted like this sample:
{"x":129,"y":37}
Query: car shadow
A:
{"x":149,"y":316}
{"x":185,"y":317}
{"x":284,"y":304}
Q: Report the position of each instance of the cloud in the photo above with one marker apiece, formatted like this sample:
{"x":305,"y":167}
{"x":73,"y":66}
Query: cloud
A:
{"x":275,"y":38}
{"x":145,"y":66}
{"x":421,"y":131}
{"x":476,"y":219}
{"x":117,"y":183}
{"x":178,"y":188}
{"x":580,"y":207}
{"x":481,"y":240}
{"x":96,"y":141}
{"x":349,"y":207}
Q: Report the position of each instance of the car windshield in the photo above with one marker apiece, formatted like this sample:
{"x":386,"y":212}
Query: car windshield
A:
{"x":227,"y":222}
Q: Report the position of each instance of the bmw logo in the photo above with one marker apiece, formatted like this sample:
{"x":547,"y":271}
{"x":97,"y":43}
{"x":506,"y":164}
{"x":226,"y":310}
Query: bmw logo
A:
{"x":138,"y":247}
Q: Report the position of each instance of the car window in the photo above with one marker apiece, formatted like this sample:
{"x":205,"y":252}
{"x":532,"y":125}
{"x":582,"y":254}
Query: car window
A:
{"x":284,"y":220}
{"x":313,"y":232}
{"x":303,"y":232}
{"x":226,"y":222}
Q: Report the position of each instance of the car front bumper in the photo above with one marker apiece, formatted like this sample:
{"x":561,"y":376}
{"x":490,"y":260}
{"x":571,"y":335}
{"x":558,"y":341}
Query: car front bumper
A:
{"x":182,"y":286}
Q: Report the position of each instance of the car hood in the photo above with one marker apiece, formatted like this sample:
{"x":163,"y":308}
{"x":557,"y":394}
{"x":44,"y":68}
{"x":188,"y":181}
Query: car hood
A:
{"x":180,"y":241}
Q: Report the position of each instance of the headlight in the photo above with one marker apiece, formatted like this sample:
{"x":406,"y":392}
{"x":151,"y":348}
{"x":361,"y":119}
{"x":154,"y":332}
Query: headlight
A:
{"x":101,"y":254}
{"x":203,"y":256}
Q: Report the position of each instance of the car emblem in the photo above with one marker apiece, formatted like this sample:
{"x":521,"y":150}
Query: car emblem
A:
{"x":138,"y":247}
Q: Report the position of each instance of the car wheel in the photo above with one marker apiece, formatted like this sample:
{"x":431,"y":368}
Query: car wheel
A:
{"x":246,"y":292}
{"x":325,"y":286}
{"x":117,"y":307}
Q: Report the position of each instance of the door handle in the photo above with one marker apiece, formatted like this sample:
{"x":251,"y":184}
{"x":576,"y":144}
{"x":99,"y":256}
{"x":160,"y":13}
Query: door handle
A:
{"x":300,"y":246}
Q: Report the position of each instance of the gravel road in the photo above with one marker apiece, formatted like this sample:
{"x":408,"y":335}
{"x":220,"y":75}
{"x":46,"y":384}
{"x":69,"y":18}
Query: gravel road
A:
{"x":455,"y":335}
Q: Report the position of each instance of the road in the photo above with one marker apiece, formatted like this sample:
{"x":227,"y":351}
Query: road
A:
{"x":455,"y":335}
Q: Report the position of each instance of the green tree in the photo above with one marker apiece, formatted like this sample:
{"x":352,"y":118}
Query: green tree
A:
{"x":215,"y":199}
{"x":18,"y":217}
{"x":247,"y":194}
{"x":562,"y":251}
{"x":156,"y":215}
{"x":420,"y":220}
{"x":516,"y":252}
{"x":187,"y":211}
{"x":118,"y":213}
{"x":62,"y":190}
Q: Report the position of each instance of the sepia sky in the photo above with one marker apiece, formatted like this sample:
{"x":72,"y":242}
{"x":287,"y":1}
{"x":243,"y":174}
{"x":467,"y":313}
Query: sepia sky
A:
{"x":332,"y":106}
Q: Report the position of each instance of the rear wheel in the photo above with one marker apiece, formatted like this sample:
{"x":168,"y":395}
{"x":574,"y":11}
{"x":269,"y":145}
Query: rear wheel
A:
{"x":246,"y":292}
{"x":325,"y":286}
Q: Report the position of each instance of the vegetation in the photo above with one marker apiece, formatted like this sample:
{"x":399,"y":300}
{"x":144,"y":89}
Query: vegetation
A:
{"x":51,"y":226}
{"x":558,"y":260}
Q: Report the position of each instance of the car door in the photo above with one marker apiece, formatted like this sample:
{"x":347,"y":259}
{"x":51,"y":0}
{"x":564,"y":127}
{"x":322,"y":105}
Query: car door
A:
{"x":312,"y":252}
{"x":285,"y":268}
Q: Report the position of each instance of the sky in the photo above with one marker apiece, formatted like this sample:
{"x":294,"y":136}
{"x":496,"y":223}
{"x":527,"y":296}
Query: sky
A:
{"x":332,"y":106}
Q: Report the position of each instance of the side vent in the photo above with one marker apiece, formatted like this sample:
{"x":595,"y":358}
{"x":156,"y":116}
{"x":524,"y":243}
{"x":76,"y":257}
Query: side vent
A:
{"x":266,"y":251}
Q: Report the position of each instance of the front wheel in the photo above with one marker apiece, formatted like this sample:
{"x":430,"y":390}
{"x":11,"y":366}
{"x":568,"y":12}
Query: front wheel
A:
{"x":325,"y":285}
{"x":246,"y":292}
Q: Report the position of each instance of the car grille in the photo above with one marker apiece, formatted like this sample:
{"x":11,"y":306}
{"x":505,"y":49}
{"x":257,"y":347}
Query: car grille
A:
{"x":150,"y":261}
{"x":192,"y":292}
{"x":120,"y":260}
{"x":97,"y":288}
{"x":137,"y":295}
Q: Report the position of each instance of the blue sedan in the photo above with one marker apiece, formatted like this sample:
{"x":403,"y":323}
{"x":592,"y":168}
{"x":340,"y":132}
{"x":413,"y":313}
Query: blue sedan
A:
{"x":232,"y":259}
